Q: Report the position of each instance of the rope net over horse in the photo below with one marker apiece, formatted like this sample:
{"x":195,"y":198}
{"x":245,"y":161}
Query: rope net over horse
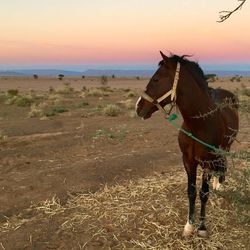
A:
{"x":207,"y":132}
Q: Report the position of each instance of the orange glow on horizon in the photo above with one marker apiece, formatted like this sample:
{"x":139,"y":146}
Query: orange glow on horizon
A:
{"x":120,"y":31}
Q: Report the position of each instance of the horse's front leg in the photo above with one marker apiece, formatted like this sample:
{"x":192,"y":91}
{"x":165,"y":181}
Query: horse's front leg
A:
{"x":191,"y":170}
{"x":204,"y":193}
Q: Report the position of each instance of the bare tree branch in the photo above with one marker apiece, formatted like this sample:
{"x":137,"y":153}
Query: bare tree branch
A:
{"x":224,"y":15}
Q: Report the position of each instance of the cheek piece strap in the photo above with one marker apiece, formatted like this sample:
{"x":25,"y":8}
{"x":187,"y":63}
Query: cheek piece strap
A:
{"x":171,"y":92}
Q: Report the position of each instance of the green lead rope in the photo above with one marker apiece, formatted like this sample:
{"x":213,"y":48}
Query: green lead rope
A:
{"x":172,"y":119}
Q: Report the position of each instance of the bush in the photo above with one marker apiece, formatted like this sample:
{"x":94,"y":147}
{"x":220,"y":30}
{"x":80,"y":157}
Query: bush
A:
{"x":236,"y":78}
{"x":211,"y":77}
{"x":129,"y":104}
{"x":246,"y":92}
{"x":66,"y":89}
{"x":112,"y":110}
{"x":54,"y":110}
{"x":60,"y":76}
{"x":35,"y":111}
{"x":130,"y":94}
{"x":96,"y":92}
{"x":82,"y":104}
{"x":24,"y":101}
{"x":12,"y":92}
{"x":19,"y":100}
{"x":104,"y":80}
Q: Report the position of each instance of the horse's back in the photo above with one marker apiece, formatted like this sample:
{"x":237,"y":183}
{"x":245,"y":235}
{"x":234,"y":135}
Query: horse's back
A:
{"x":228,"y":105}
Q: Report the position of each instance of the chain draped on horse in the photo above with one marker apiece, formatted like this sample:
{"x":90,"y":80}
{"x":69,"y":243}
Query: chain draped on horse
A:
{"x":209,"y":114}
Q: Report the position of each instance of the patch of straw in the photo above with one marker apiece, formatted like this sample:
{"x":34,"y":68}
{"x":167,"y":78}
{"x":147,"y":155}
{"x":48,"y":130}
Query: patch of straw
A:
{"x":148,"y":213}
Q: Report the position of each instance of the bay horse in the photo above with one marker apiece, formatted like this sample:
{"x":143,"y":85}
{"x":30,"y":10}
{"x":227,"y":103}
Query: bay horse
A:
{"x":209,"y":114}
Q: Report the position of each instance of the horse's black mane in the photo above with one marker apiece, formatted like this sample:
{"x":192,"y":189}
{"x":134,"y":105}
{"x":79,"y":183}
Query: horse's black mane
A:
{"x":193,"y":67}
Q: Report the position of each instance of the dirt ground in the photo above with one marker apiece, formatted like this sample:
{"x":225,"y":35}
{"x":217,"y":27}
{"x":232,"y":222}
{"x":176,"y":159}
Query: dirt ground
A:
{"x":78,"y":151}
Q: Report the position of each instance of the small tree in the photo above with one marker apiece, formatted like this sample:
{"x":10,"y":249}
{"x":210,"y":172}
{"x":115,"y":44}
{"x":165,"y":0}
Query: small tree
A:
{"x":35,"y":76}
{"x":104,"y":80}
{"x":60,"y":76}
{"x":83,"y":76}
{"x":211,"y":77}
{"x":113,"y":76}
{"x":225,"y":14}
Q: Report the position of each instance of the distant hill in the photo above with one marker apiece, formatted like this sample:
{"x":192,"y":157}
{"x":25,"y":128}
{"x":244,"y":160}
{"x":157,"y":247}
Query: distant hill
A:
{"x":10,"y":73}
{"x":228,"y":72}
{"x":110,"y":72}
{"x":40,"y":72}
{"x":119,"y":73}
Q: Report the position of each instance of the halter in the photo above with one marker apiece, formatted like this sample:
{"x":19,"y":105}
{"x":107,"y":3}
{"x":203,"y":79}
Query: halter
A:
{"x":171,"y":92}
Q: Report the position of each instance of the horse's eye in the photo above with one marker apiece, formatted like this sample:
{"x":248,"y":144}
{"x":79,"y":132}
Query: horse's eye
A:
{"x":156,"y":79}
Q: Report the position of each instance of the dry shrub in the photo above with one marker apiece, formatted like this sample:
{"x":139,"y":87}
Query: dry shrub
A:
{"x":20,"y":100}
{"x":46,"y":109}
{"x":65,"y":89}
{"x":132,"y":114}
{"x":111,"y":110}
{"x":245,"y":91}
{"x":36,"y":111}
{"x":12,"y":92}
{"x":97,"y":92}
{"x":3,"y":136}
{"x":130,"y":94}
{"x":129,"y":104}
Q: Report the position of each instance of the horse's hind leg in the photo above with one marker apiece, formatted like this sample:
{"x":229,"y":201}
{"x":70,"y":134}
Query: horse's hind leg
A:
{"x":204,"y":194}
{"x":191,"y":173}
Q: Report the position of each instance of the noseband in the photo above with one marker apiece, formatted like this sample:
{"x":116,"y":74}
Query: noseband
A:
{"x":171,"y":92}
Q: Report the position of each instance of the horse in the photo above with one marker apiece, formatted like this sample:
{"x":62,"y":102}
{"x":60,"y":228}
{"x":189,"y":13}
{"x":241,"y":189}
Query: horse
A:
{"x":211,"y":115}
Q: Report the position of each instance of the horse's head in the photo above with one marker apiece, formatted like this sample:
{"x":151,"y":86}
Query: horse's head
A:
{"x":161,"y":89}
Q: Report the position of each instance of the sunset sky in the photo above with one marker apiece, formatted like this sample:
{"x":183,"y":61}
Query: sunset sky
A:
{"x":121,"y":32}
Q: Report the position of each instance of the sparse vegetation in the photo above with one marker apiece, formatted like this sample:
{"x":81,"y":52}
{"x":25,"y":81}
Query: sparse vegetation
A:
{"x":55,"y":110}
{"x":130,"y":94}
{"x":66,"y":89}
{"x":129,"y":104}
{"x":45,"y":109}
{"x":97,"y":92}
{"x":102,"y":133}
{"x":82,"y":104}
{"x":119,"y":134}
{"x":24,"y":101}
{"x":112,"y":110}
{"x":3,"y":136}
{"x":211,"y":77}
{"x":244,"y":90}
{"x":236,"y":78}
{"x":104,"y":80}
{"x":13,"y":97}
{"x":51,"y":90}
{"x":60,"y":76}
{"x":121,"y":162}
{"x":12,"y":92}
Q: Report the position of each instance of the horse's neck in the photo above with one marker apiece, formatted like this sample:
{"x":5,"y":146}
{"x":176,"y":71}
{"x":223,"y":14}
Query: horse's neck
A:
{"x":193,"y":101}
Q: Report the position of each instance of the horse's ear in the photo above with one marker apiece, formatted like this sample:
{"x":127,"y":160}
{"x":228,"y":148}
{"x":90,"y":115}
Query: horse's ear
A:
{"x":164,"y":57}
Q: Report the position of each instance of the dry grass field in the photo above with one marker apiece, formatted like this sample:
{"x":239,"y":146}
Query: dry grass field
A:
{"x":79,"y":170}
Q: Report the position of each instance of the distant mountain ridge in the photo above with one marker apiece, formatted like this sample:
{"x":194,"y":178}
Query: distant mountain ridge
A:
{"x":108,"y":72}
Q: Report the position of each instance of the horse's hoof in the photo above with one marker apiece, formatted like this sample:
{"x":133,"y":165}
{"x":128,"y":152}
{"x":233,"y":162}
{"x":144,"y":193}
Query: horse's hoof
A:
{"x":188,"y":230}
{"x":203,"y":233}
{"x":216,"y":183}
